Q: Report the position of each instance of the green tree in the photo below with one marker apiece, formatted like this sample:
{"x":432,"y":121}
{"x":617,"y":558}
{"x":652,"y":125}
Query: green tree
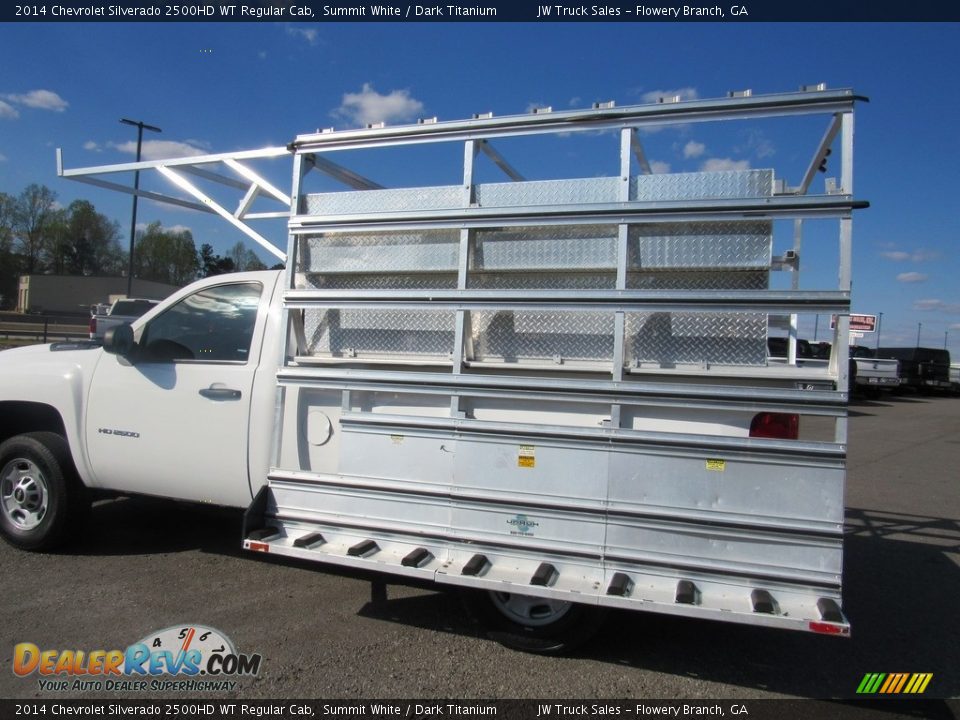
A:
{"x":211,"y":264}
{"x":33,"y":215}
{"x":93,"y":242}
{"x":168,"y":256}
{"x":9,"y":262}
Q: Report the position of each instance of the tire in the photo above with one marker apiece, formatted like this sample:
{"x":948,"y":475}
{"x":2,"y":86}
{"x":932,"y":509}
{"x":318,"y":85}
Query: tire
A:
{"x":41,"y":497}
{"x":531,"y":624}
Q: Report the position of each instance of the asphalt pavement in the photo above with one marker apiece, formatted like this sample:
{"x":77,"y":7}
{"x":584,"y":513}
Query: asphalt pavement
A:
{"x":144,"y":565}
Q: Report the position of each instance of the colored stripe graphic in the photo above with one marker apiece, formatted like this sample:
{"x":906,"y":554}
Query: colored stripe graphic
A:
{"x":894,"y":683}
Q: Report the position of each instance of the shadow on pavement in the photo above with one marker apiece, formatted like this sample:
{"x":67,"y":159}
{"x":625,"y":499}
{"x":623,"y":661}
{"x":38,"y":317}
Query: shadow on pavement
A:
{"x":901,"y":596}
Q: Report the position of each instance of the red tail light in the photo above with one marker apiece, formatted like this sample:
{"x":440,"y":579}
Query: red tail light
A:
{"x":782,"y":426}
{"x":93,"y":326}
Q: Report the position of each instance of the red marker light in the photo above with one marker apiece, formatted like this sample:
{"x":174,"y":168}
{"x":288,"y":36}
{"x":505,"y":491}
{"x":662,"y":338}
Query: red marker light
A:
{"x":829,"y":628}
{"x":781,"y":426}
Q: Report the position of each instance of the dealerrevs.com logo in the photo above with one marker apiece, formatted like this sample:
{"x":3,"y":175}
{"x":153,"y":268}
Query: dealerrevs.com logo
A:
{"x":182,"y":658}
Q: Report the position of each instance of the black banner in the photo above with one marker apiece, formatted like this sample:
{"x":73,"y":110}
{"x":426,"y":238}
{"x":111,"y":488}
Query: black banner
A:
{"x":619,"y":11}
{"x":511,"y":709}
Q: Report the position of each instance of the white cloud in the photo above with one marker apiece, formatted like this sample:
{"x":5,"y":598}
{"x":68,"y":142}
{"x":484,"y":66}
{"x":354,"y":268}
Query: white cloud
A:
{"x":262,"y":54}
{"x":659,"y":168}
{"x":687,"y":93}
{"x":3,"y":158}
{"x":142,"y":227}
{"x":8,"y":111}
{"x":955,"y":326}
{"x":368,"y":106}
{"x":308,"y":34}
{"x":724,"y":164}
{"x":40,"y":100}
{"x":161,"y":149}
{"x":916,"y":256}
{"x":757,"y":144}
{"x":932,"y":304}
{"x":896,"y":255}
{"x":694,"y":149}
{"x":92,"y":146}
{"x":911,"y":277}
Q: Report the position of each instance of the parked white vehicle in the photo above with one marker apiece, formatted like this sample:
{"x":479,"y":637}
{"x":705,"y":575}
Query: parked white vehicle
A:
{"x":874,"y":374}
{"x":554,"y":395}
{"x":124,"y":310}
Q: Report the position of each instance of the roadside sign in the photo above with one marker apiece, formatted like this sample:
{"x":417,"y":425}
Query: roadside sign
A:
{"x":858,"y":323}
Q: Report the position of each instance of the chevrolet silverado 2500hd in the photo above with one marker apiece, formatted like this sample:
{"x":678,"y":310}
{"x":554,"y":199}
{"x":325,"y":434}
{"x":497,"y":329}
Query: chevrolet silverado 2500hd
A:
{"x":552,"y":394}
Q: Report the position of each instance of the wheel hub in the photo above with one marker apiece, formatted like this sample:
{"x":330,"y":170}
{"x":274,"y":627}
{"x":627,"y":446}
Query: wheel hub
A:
{"x":23,"y":494}
{"x":530,"y":611}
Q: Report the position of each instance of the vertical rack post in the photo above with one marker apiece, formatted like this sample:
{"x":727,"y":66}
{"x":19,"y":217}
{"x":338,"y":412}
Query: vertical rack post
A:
{"x":845,"y":279}
{"x":462,"y":322}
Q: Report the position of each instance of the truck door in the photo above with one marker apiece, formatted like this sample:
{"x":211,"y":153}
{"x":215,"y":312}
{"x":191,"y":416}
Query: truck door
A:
{"x":173,"y":420}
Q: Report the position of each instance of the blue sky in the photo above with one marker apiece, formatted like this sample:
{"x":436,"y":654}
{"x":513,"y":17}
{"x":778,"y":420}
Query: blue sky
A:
{"x":219,"y":88}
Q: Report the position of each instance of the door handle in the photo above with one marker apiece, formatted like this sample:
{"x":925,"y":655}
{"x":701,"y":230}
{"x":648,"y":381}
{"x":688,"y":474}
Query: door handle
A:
{"x":220,"y":393}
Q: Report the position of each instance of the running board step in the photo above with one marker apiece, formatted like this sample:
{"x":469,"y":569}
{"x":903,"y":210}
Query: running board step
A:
{"x":263,"y":533}
{"x":553,"y":576}
{"x":545,"y":576}
{"x":417,"y":557}
{"x":310,"y":540}
{"x":363,"y":549}
{"x":477,"y":565}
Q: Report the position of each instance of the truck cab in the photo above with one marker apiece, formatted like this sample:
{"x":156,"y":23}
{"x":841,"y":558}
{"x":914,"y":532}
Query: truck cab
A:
{"x":174,"y":411}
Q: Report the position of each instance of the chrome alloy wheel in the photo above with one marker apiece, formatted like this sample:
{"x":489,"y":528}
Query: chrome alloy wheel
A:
{"x":528,"y":610}
{"x":23,"y":493}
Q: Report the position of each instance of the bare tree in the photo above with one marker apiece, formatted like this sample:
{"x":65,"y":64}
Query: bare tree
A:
{"x":245,"y":259}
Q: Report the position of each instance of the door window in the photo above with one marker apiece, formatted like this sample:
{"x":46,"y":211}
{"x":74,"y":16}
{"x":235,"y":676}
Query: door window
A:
{"x":214,"y":325}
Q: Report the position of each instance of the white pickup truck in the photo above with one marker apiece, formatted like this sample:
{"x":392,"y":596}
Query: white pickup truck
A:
{"x":872,"y":374}
{"x":124,"y":310}
{"x":150,"y":423}
{"x":554,"y":395}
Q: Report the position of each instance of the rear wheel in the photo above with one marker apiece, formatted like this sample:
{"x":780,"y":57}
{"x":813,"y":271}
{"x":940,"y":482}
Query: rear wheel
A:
{"x":533,"y":624}
{"x":40,"y":495}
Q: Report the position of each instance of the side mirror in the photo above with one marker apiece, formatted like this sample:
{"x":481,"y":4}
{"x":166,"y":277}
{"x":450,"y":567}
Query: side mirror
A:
{"x":119,"y":340}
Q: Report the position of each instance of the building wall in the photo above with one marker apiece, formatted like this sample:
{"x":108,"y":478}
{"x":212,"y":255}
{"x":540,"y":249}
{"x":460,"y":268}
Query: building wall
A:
{"x":76,"y":293}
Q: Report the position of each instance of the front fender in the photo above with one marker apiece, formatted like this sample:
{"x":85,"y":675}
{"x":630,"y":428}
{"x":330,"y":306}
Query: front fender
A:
{"x":40,"y":384}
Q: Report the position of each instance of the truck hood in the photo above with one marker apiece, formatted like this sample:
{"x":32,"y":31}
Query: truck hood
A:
{"x":59,"y":352}
{"x":30,"y":371}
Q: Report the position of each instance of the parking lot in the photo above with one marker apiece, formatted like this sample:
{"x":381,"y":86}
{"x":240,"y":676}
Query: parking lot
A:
{"x":145,"y":565}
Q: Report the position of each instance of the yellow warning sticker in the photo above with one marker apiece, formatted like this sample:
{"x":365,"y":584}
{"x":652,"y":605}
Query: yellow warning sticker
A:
{"x":397,"y":439}
{"x":526,"y":458}
{"x":716,"y":465}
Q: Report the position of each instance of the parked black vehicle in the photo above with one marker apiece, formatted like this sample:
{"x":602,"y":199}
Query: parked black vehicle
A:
{"x":778,"y":346}
{"x":922,"y":369}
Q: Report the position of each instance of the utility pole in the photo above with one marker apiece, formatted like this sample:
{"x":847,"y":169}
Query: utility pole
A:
{"x":140,"y":125}
{"x":919,"y":325}
{"x":879,"y":328}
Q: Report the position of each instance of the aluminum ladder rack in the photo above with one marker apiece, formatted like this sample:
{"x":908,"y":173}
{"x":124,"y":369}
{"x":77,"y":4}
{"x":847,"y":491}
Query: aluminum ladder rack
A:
{"x":561,"y":387}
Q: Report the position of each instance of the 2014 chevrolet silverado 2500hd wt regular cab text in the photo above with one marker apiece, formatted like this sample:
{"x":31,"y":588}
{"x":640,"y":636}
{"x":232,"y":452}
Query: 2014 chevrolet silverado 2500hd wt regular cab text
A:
{"x":554,"y":395}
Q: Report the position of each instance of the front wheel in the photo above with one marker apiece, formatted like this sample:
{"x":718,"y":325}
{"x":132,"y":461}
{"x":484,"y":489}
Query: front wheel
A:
{"x":40,"y":494}
{"x":532,"y":624}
